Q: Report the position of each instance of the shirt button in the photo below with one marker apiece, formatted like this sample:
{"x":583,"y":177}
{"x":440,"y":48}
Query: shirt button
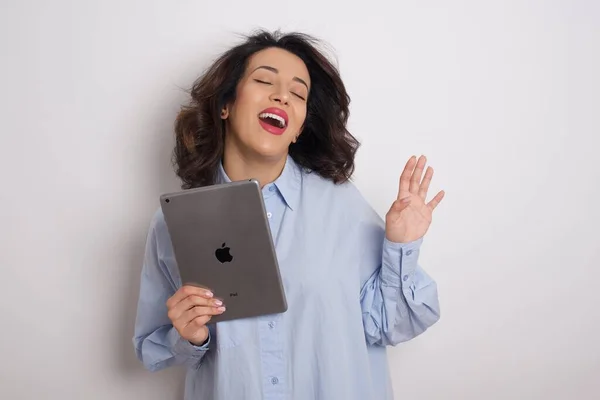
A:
{"x":274,"y":380}
{"x":271,"y":188}
{"x":269,"y":215}
{"x":409,"y":252}
{"x":271,"y":324}
{"x":405,"y":278}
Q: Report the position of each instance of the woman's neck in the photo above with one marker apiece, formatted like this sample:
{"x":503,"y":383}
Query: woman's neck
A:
{"x":240,"y":167}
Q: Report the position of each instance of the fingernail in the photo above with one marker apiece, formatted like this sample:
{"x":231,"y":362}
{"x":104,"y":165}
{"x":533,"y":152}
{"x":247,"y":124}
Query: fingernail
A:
{"x":209,"y":294}
{"x":218,"y":303}
{"x":221,"y":309}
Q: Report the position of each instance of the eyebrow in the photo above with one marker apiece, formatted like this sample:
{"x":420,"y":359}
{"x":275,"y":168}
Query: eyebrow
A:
{"x":275,"y":70}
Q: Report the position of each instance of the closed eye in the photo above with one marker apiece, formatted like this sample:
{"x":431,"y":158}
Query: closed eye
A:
{"x":266,"y":83}
{"x":298,"y":96}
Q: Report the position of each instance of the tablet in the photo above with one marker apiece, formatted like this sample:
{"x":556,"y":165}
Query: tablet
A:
{"x":222,"y":241}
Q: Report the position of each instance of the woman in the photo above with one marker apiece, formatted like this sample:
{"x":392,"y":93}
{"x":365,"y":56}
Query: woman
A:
{"x":275,"y":109}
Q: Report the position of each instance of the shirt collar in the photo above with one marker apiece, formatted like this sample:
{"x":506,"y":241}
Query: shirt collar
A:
{"x":288,"y":182}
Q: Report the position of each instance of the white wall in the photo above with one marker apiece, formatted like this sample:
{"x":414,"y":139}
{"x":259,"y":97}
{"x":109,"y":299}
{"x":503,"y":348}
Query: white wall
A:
{"x":502,"y":96}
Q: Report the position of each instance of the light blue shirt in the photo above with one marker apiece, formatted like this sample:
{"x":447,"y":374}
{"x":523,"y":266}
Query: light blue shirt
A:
{"x":350,"y":294}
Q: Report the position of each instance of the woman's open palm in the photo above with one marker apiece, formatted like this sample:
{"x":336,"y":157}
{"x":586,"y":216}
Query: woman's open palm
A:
{"x":410,"y":216}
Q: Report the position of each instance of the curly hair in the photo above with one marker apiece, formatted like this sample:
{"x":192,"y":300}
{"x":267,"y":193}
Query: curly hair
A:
{"x":325,"y":146}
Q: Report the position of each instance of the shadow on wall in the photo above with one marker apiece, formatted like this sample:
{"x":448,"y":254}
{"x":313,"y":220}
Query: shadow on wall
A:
{"x":154,"y":157}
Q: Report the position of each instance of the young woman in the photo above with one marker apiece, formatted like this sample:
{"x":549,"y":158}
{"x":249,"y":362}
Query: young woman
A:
{"x":275,"y":109}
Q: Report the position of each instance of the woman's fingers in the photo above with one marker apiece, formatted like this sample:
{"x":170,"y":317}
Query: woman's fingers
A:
{"x":199,"y":313}
{"x":424,"y":187}
{"x":185,"y":291}
{"x":415,"y":179}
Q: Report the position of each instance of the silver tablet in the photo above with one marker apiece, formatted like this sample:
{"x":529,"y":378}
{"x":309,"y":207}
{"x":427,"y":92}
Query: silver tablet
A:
{"x":221,"y":240}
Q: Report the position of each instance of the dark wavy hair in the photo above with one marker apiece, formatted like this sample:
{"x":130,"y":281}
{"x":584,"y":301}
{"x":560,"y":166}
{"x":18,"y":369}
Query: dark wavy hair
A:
{"x":325,"y":145}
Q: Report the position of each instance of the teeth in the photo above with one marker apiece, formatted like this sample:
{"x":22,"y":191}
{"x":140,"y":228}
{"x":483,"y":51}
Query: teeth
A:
{"x":273,"y":116}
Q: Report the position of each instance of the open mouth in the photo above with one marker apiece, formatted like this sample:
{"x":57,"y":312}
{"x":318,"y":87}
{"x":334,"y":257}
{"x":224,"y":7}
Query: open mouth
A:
{"x":273,"y":120}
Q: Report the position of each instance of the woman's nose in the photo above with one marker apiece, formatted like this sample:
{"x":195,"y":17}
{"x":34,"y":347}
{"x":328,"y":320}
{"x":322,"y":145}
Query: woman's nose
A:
{"x":280,"y":97}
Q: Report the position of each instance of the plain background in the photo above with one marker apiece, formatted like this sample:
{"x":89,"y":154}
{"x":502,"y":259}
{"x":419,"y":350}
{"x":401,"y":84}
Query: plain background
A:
{"x":503,"y":97}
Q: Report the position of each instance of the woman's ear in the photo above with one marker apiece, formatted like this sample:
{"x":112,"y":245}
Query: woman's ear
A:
{"x":224,"y":113}
{"x":295,"y":139}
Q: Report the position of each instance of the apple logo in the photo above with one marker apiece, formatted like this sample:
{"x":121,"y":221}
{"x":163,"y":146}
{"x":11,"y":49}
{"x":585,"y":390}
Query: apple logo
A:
{"x":223,"y":254}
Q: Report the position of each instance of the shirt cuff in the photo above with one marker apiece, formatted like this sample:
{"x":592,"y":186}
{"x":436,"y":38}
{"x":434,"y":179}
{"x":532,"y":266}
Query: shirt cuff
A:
{"x":399,"y":262}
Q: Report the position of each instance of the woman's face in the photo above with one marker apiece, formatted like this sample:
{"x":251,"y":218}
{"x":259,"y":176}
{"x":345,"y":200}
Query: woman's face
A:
{"x":270,"y":106}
